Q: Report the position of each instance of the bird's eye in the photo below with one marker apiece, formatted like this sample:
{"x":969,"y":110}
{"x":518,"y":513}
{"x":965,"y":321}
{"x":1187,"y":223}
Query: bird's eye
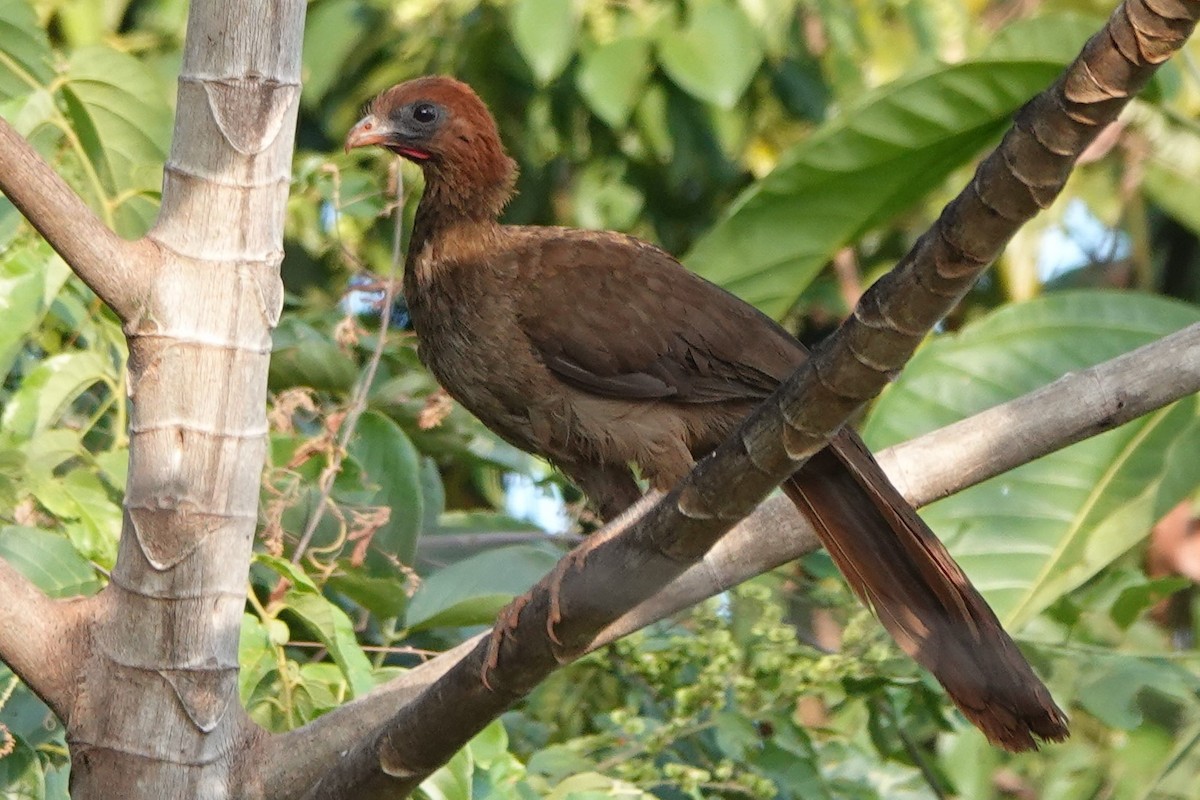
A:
{"x":424,"y":113}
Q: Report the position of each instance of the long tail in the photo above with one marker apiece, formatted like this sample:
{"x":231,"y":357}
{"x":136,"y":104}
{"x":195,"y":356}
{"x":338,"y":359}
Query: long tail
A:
{"x":898,"y":567}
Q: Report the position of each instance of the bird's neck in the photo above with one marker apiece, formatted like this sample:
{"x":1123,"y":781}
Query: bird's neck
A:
{"x":449,"y":227}
{"x":462,"y":195}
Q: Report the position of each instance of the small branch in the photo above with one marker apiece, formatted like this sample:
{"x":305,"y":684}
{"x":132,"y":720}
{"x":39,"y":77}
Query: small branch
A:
{"x":118,"y":271}
{"x":946,"y":461}
{"x":358,"y":402}
{"x":40,"y":639}
{"x":1073,"y":408}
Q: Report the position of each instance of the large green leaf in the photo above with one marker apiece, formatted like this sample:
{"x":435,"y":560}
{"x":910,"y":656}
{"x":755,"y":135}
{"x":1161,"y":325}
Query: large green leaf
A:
{"x":21,"y":776}
{"x":612,"y":77}
{"x":332,"y":32}
{"x":473,"y":590}
{"x":1040,"y":530}
{"x":858,"y":171}
{"x":392,"y":466}
{"x":50,"y":388}
{"x":302,"y":356}
{"x":25,"y":56}
{"x":118,"y":110}
{"x":545,"y":32}
{"x":335,"y":630}
{"x":48,"y":560}
{"x":29,"y":281}
{"x":91,"y":519}
{"x":715,"y":56}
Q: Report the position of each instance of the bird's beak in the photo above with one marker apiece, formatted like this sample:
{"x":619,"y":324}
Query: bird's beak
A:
{"x":368,"y":131}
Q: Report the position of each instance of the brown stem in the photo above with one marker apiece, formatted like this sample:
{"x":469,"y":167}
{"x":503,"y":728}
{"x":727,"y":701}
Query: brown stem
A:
{"x":118,"y":271}
{"x":41,"y":639}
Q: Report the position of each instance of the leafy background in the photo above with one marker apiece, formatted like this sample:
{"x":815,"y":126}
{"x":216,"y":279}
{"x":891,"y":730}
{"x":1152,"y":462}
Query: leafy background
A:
{"x":789,"y":150}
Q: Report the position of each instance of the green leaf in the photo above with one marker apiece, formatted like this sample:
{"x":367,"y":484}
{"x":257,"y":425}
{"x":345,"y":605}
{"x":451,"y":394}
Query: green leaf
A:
{"x":384,"y":597}
{"x":302,"y":356}
{"x":1038,"y":531}
{"x":48,"y":560}
{"x":1053,"y":38}
{"x":453,"y":781}
{"x":392,"y":466}
{"x":1133,"y":600}
{"x":50,"y":388}
{"x":612,"y":76}
{"x":91,"y":519}
{"x":715,"y":56}
{"x":118,"y":109}
{"x":286,"y":569}
{"x":21,"y":775}
{"x":1115,"y":684}
{"x":544,"y":32}
{"x":857,"y":172}
{"x":256,"y":657}
{"x":332,"y":31}
{"x":1171,"y":188}
{"x":334,"y":629}
{"x":25,"y":58}
{"x":29,"y":281}
{"x":471,"y":591}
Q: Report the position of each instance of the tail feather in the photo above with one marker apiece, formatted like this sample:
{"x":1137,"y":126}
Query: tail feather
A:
{"x":896,"y":565}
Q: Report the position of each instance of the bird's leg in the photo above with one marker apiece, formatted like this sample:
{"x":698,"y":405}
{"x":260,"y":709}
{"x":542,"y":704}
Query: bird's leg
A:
{"x":613,"y":490}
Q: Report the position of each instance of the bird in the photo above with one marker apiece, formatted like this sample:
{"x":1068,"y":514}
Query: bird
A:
{"x":598,"y":351}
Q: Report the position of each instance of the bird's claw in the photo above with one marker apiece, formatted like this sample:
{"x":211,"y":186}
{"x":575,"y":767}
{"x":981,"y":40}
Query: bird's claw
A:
{"x":506,"y":621}
{"x":575,"y":558}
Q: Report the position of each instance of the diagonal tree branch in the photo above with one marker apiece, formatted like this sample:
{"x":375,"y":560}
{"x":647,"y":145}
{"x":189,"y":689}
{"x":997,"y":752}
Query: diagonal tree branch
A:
{"x":41,"y":640}
{"x":958,"y":456}
{"x":118,"y":271}
{"x":1012,"y":184}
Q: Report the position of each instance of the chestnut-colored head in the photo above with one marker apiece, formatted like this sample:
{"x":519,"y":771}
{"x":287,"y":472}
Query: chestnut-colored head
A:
{"x":442,"y":125}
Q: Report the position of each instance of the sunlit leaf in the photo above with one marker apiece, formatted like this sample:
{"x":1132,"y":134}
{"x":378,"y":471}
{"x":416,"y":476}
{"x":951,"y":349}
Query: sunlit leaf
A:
{"x":612,"y":76}
{"x":544,"y":32}
{"x":471,"y":591}
{"x":1051,"y":38}
{"x":21,"y":775}
{"x":91,"y":519}
{"x":25,"y":56}
{"x":116,"y":107}
{"x":452,"y":781}
{"x":29,"y":281}
{"x":48,"y":560}
{"x":715,"y":55}
{"x":334,"y":629}
{"x":858,"y":171}
{"x":332,"y":31}
{"x":286,"y":569}
{"x":256,"y":657}
{"x":50,"y":388}
{"x":1038,"y":531}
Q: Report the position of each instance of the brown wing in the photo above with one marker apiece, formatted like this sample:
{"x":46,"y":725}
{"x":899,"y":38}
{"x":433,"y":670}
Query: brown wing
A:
{"x":641,"y":326}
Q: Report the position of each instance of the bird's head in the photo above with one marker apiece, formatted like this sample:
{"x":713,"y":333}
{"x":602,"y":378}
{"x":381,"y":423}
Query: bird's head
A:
{"x":442,"y":125}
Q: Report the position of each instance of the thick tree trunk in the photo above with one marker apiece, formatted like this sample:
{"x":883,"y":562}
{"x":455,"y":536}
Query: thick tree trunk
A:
{"x":156,"y":714}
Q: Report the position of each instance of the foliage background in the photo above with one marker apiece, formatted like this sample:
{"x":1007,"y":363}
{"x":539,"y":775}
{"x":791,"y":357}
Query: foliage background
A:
{"x":789,"y":150}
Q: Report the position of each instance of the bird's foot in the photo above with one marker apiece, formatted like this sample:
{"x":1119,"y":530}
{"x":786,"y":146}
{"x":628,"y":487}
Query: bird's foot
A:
{"x":572,"y":560}
{"x":506,"y":621}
